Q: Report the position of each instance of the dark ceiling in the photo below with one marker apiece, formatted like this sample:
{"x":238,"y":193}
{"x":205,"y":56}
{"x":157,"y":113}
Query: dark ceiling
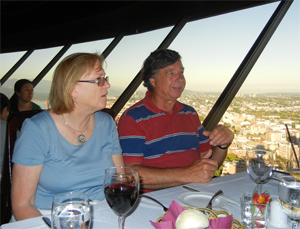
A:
{"x":44,"y":24}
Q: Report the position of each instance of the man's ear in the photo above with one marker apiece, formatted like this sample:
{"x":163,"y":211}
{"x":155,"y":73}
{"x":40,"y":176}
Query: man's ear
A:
{"x":152,"y":81}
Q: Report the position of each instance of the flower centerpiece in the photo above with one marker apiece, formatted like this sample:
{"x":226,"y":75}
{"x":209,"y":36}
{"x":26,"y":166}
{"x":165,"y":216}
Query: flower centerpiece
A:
{"x":258,"y":209}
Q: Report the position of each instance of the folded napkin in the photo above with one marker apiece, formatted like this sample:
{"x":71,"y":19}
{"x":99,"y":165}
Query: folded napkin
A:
{"x":169,"y":220}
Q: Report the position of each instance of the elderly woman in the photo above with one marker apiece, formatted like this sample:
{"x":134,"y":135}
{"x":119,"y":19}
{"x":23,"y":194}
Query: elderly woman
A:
{"x":21,"y":99}
{"x":68,"y":147}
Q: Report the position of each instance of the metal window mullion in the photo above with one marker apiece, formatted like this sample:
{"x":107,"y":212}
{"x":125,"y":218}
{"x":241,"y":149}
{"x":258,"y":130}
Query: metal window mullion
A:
{"x":113,"y":44}
{"x":55,"y":59}
{"x":221,"y":105}
{"x":135,"y":83}
{"x":16,"y":66}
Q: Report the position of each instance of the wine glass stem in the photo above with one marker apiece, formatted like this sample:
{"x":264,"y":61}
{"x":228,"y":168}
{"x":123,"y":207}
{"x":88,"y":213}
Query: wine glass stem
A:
{"x":121,"y":221}
{"x":259,"y":189}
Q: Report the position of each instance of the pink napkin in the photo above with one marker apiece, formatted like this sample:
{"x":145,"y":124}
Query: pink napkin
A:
{"x":168,"y":221}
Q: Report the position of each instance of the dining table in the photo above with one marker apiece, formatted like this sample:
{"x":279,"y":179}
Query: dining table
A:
{"x":145,"y":209}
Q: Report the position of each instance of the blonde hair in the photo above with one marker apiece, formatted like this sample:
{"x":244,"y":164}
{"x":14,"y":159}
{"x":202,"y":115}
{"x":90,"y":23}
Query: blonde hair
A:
{"x":65,"y":77}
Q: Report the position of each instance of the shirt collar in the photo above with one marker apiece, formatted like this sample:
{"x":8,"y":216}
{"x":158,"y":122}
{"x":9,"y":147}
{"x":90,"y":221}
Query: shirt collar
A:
{"x":152,"y":107}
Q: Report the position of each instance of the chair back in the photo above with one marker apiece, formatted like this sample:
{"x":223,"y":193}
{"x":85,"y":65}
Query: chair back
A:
{"x":14,"y":124}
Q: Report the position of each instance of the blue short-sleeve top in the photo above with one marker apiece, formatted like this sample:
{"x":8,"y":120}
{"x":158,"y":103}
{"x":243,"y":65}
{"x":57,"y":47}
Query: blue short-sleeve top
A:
{"x":67,"y":167}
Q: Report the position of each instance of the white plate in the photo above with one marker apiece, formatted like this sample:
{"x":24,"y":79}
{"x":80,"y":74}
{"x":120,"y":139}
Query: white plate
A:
{"x":201,"y":199}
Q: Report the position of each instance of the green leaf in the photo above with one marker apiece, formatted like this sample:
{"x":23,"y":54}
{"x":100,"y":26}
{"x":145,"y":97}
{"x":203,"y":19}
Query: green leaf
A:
{"x":252,"y":210}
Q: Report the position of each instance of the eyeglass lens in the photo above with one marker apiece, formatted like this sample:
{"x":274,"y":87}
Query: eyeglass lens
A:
{"x":102,"y":80}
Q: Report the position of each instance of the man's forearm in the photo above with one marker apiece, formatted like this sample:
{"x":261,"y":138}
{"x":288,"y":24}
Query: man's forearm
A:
{"x":219,"y":155}
{"x":157,"y":178}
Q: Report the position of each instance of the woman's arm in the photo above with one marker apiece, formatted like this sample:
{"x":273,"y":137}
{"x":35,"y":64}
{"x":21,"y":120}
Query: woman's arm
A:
{"x":118,"y":160}
{"x":24,"y":184}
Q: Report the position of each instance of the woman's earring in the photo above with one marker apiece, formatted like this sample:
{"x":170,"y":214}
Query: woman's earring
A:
{"x":75,"y":96}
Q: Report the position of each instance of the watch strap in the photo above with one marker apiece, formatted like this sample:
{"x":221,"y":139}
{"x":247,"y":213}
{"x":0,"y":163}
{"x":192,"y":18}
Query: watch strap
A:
{"x":223,"y":147}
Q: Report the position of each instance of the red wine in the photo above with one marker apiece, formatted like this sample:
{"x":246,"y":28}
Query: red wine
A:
{"x":120,"y":197}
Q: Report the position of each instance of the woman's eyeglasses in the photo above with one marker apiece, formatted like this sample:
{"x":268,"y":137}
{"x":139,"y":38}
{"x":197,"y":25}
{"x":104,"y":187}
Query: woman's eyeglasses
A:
{"x":100,"y":81}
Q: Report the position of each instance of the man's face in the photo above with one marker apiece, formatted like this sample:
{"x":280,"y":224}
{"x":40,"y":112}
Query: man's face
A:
{"x":170,"y":82}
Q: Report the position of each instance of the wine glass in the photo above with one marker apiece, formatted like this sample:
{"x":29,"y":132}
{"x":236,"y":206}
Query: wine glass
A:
{"x":121,"y":190}
{"x":289,"y":198}
{"x":259,"y":167}
{"x":71,"y":210}
{"x":293,"y":166}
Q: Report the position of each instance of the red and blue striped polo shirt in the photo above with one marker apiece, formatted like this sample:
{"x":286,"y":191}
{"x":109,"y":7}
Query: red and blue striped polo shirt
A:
{"x":159,"y":139}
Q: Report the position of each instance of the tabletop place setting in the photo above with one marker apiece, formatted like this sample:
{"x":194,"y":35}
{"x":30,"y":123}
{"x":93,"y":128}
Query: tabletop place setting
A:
{"x":243,"y":200}
{"x":71,"y":210}
{"x":121,"y":190}
{"x":260,"y":208}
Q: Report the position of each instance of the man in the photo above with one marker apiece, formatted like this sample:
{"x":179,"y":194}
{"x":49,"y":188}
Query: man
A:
{"x":163,"y":138}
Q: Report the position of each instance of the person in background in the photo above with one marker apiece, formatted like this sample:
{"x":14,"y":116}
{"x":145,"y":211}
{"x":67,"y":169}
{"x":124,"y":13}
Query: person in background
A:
{"x":3,"y":118}
{"x":163,"y":138}
{"x":68,"y":147}
{"x":21,"y":99}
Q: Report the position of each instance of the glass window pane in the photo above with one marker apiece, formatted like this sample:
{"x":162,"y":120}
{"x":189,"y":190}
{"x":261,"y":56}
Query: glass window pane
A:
{"x":31,"y":67}
{"x":8,"y":60}
{"x":127,"y":58}
{"x":212,"y":49}
{"x":45,"y":84}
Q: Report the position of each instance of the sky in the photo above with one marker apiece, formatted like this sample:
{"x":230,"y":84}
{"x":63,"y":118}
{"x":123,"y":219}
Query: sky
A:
{"x":212,"y":49}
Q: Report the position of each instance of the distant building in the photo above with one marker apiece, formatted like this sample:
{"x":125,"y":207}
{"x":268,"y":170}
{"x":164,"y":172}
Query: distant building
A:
{"x":238,"y":120}
{"x":240,"y":153}
{"x":248,"y":117}
{"x":245,"y":123}
{"x":295,"y":136}
{"x":232,"y":167}
{"x":258,"y":129}
{"x":272,"y":145}
{"x":276,"y":136}
{"x":287,"y":122}
{"x":271,"y":116}
{"x":285,"y":150}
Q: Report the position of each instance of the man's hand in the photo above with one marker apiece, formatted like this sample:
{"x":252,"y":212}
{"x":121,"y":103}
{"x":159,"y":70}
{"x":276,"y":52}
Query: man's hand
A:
{"x":202,"y":170}
{"x":221,"y":136}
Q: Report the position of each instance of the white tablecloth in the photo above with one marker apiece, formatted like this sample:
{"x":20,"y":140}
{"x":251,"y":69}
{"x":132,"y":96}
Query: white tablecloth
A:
{"x":103,"y":217}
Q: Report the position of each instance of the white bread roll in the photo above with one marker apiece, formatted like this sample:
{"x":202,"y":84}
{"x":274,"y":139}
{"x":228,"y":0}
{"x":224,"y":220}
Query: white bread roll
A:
{"x":191,"y":218}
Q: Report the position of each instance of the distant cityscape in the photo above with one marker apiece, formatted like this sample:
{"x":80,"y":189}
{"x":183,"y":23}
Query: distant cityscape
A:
{"x":41,"y":91}
{"x":258,"y":121}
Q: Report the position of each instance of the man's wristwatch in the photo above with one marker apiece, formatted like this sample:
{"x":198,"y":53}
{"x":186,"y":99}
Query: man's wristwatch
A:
{"x":224,"y":147}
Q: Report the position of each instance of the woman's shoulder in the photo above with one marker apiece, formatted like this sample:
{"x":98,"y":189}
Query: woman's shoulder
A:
{"x":41,"y":118}
{"x":101,"y":116}
{"x":40,"y":123}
